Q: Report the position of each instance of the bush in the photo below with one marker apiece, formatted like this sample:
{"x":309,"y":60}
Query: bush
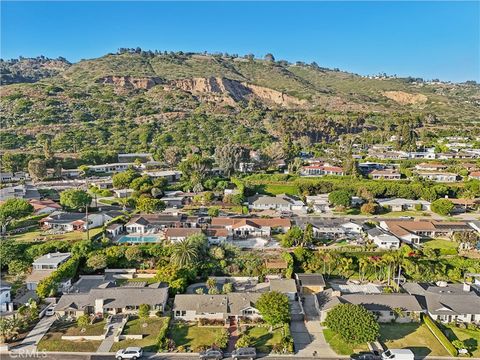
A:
{"x":162,"y":340}
{"x":221,"y":339}
{"x":442,"y":207}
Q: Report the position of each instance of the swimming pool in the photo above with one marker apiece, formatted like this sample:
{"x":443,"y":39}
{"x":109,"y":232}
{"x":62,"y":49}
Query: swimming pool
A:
{"x":134,"y":239}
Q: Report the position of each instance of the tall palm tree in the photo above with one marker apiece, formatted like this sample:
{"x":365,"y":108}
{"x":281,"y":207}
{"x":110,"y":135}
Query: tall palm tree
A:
{"x":184,"y":253}
{"x":362,"y":267}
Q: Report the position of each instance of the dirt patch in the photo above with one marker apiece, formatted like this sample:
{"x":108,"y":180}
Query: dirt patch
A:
{"x":405,"y":98}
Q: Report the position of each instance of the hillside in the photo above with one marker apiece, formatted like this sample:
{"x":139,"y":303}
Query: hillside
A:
{"x":179,"y":96}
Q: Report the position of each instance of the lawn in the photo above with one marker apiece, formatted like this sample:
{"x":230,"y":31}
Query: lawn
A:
{"x":471,"y":337}
{"x":264,"y":339}
{"x":135,"y":326}
{"x":276,"y":189}
{"x":397,"y":214}
{"x":441,"y":244}
{"x":52,"y":341}
{"x":193,"y":336}
{"x":340,"y":346}
{"x":414,"y":336}
{"x":38,"y":235}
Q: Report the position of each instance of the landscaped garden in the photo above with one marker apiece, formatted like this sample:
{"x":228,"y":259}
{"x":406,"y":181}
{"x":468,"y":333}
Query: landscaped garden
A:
{"x":470,"y":337}
{"x":148,"y":327}
{"x":52,"y":341}
{"x":192,"y":337}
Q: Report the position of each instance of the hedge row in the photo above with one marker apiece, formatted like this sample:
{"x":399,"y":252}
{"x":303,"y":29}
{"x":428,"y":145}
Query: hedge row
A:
{"x":162,"y":340}
{"x":439,"y":335}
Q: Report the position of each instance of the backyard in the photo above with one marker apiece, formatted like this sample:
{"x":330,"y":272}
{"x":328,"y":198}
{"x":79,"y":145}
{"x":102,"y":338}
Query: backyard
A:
{"x":415,"y":336}
{"x":441,"y":244}
{"x":52,"y":341}
{"x":40,"y":235}
{"x":193,"y":337}
{"x":263,"y":338}
{"x":469,"y":336}
{"x":135,"y":326}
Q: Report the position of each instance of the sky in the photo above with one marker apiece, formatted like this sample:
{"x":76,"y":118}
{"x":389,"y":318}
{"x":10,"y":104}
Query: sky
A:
{"x":422,"y":39}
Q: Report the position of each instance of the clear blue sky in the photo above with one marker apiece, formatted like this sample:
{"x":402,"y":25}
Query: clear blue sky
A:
{"x":426,"y":39}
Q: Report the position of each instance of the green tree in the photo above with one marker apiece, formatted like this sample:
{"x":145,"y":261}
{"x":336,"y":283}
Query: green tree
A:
{"x":133,"y":254}
{"x":442,"y":207}
{"x":83,"y":321}
{"x":369,"y":208}
{"x":245,"y":340}
{"x":308,"y":237}
{"x":13,"y":209}
{"x":340,"y":198}
{"x":227,"y":288}
{"x":97,"y":261}
{"x":293,"y":237}
{"x":74,"y":199}
{"x":144,"y":311}
{"x":149,"y":206}
{"x":184,"y":253}
{"x":213,"y":211}
{"x":274,"y":308}
{"x":37,"y":169}
{"x":122,"y":180}
{"x":353,"y":323}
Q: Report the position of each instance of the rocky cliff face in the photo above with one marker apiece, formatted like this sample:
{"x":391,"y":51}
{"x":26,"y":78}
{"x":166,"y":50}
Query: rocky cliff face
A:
{"x":232,"y":91}
{"x":130,"y":83}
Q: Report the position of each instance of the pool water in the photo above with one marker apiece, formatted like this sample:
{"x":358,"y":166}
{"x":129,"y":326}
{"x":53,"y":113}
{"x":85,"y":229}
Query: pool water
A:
{"x":134,"y":239}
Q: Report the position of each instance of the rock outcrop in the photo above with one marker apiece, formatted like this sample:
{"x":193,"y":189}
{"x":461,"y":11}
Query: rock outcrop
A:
{"x":233,"y":90}
{"x":130,"y":83}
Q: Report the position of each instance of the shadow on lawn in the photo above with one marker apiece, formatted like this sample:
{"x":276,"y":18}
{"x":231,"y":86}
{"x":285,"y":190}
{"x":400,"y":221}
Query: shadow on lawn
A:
{"x":392,"y":332}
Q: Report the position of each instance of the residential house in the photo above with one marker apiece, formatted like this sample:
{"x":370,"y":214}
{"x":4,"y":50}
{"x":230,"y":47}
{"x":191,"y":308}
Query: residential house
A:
{"x":23,"y":191}
{"x":464,"y":205}
{"x":111,"y":299}
{"x":437,"y":176}
{"x":110,"y":168}
{"x":412,"y":231}
{"x":123,"y":193}
{"x":193,"y":307}
{"x":170,"y":175}
{"x":280,"y":203}
{"x":321,"y":170}
{"x":6,"y":304}
{"x":475,"y":175}
{"x":284,"y":286}
{"x":66,"y":221}
{"x":385,"y":175}
{"x":310,"y":283}
{"x":43,"y":266}
{"x":216,"y":236}
{"x":46,"y":206}
{"x":13,"y":176}
{"x":447,"y":302}
{"x":382,"y":239}
{"x":431,"y":167}
{"x":114,"y":230}
{"x":399,"y":308}
{"x":71,"y":173}
{"x":319,"y":203}
{"x":180,"y":234}
{"x":251,"y":227}
{"x":400,"y":204}
{"x":141,"y":224}
{"x":334,"y":228}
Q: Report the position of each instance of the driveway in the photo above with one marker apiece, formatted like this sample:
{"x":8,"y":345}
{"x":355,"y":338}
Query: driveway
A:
{"x":33,"y":338}
{"x":308,"y":335}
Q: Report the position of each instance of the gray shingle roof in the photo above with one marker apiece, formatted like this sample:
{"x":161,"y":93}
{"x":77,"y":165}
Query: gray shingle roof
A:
{"x":283,"y":285}
{"x":310,"y":279}
{"x":229,"y":305}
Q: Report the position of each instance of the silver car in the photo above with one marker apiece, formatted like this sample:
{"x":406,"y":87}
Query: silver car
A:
{"x":129,"y":353}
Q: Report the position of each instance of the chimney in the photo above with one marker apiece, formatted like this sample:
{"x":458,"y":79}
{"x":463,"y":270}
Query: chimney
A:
{"x":466,"y":287}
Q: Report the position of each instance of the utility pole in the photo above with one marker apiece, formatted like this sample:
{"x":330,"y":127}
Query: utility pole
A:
{"x":86,"y":212}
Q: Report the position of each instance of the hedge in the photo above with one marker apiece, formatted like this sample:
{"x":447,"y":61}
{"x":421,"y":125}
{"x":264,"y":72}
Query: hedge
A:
{"x":48,"y":286}
{"x":439,"y":335}
{"x":162,"y":340}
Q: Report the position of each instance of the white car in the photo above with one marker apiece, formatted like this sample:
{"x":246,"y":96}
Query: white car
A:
{"x":129,"y":353}
{"x":50,"y":311}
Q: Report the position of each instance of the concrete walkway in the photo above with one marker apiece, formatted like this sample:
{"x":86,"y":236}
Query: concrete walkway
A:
{"x":308,"y":335}
{"x":33,"y":338}
{"x":233,"y":335}
{"x":107,"y":343}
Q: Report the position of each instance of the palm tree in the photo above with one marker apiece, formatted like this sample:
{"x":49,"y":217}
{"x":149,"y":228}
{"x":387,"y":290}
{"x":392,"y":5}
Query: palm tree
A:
{"x":362,"y":267}
{"x":184,"y":253}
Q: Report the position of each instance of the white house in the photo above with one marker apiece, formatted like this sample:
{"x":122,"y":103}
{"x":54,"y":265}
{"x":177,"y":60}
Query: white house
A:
{"x":64,"y":221}
{"x":6,"y":304}
{"x":400,"y":204}
{"x":319,"y":203}
{"x":382,"y":239}
{"x":110,"y":168}
{"x":43,"y":266}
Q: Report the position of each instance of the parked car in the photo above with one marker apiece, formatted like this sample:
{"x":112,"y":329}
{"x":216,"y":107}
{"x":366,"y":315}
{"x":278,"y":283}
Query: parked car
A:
{"x":398,"y":354}
{"x":129,"y":353}
{"x":244,"y":353}
{"x":374,"y":355}
{"x":211,"y":354}
{"x":50,"y":311}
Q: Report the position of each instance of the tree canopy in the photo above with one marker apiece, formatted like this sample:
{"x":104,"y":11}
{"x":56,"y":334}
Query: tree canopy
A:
{"x":274,"y":308}
{"x":74,"y":199}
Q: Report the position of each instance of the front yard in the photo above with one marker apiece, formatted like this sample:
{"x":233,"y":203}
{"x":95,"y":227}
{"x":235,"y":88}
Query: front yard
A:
{"x":340,"y":346}
{"x":414,"y":336}
{"x":52,"y":341}
{"x":135,"y":326}
{"x":263,"y":338}
{"x":470,"y":337}
{"x":191,"y":337}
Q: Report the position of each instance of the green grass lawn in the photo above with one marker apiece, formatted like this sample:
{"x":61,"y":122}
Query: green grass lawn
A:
{"x":194,"y":336}
{"x":52,"y":341}
{"x":276,"y":189}
{"x":471,"y":337}
{"x":38,"y":235}
{"x":264,"y":339}
{"x":135,"y":326}
{"x":440,"y":244}
{"x":340,"y":346}
{"x":414,"y":336}
{"x":404,"y":213}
